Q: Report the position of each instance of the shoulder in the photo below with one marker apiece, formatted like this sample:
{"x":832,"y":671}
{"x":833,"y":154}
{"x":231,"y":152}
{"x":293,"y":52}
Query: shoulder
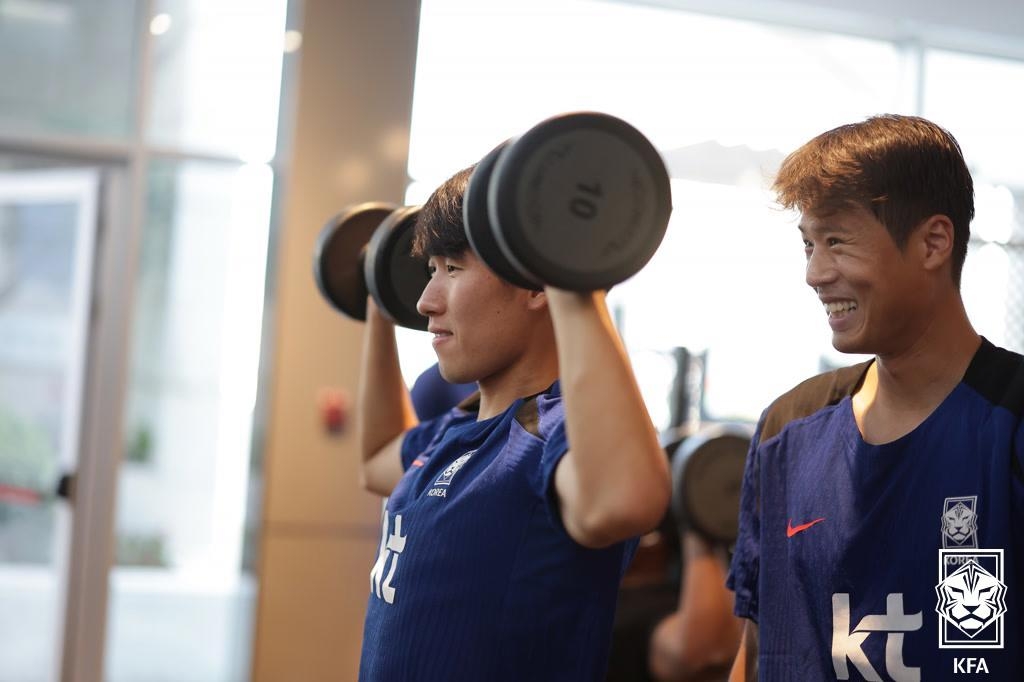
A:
{"x":541,"y":414}
{"x":424,"y":436}
{"x":997,"y":375}
{"x":809,"y":397}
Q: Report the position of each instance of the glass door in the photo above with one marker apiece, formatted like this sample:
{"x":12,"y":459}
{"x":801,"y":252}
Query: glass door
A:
{"x":48,"y":224}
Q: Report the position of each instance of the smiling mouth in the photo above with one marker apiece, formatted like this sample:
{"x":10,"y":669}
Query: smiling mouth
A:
{"x":838,"y":308}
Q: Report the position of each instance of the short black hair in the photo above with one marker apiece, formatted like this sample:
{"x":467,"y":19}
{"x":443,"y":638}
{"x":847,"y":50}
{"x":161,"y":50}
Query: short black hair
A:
{"x":440,"y":230}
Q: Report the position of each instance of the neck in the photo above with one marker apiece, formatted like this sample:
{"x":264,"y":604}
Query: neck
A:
{"x":905,"y":385}
{"x":925,"y":371}
{"x":532,"y":372}
{"x":501,"y":390}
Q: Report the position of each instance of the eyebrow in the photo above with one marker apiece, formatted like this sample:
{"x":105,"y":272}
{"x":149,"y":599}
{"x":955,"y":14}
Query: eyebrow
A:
{"x":829,"y":227}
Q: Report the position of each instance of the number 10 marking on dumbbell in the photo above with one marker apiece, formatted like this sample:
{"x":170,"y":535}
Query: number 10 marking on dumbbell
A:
{"x":583,"y":207}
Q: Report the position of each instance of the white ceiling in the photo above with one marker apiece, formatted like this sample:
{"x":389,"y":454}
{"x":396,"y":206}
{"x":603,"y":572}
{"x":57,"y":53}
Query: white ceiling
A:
{"x":993,"y":27}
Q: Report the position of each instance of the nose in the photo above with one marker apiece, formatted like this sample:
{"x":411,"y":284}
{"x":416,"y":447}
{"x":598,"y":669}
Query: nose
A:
{"x":431,"y":301}
{"x":820,"y":269}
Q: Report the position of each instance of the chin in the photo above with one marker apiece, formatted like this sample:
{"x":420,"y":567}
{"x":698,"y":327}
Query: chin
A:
{"x":849,"y":346}
{"x":453,"y":375}
{"x":445,"y":373}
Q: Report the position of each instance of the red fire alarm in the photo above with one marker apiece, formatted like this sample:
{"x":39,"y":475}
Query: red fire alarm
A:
{"x":334,"y":405}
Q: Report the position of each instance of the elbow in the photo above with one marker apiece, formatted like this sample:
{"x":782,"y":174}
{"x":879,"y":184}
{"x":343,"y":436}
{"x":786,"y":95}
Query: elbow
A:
{"x":364,"y":481}
{"x":645,"y":511}
{"x":671,"y":662}
{"x":643,"y":507}
{"x":368,"y":483}
{"x":603,"y":505}
{"x":694,"y":646}
{"x":605,"y":524}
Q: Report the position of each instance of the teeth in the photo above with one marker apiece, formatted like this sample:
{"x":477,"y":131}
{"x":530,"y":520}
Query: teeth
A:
{"x":840,"y":307}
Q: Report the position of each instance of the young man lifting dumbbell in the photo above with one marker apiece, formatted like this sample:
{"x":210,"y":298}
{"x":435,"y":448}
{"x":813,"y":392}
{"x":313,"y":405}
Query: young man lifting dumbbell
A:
{"x":509,"y":519}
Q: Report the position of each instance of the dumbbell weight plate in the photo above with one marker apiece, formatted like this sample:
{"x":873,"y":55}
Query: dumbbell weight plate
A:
{"x":394,"y":277}
{"x":707,"y":474}
{"x":337,"y":257}
{"x":478,"y":223}
{"x":581,"y":201}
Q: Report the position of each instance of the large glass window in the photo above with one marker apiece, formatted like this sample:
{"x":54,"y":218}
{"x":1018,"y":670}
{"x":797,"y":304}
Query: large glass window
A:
{"x":47,"y":223}
{"x":68,"y":67}
{"x":182,"y":498}
{"x":217,"y":76}
{"x":182,"y":592}
{"x":981,"y":101}
{"x":724,"y":101}
{"x":188,"y":92}
{"x":683,"y":79}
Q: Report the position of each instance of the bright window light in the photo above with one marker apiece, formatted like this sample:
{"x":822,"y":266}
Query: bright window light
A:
{"x":724,"y":101}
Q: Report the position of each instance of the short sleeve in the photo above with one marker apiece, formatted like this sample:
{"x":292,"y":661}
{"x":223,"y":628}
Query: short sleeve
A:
{"x":746,"y":560}
{"x":555,"y":446}
{"x":419,"y":439}
{"x":551,"y":430}
{"x":1018,"y":452}
{"x":1017,"y":475}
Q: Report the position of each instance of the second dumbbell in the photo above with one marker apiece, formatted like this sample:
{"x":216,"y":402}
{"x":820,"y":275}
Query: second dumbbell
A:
{"x":366,"y":251}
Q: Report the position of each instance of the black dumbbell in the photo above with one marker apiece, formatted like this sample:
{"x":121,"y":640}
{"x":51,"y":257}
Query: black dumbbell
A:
{"x":580,"y":201}
{"x":707,"y":474}
{"x":366,"y":251}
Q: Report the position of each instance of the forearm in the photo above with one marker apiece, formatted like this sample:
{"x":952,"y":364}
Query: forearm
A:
{"x":700,"y":639}
{"x":744,"y":669}
{"x":384,"y":407}
{"x":713,"y":632}
{"x":616,"y":482}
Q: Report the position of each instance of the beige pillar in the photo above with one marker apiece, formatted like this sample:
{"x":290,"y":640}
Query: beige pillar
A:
{"x":352,"y":107}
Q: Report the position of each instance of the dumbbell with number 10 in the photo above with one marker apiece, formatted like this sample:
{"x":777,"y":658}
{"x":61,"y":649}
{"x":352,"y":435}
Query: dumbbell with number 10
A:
{"x":581,"y":201}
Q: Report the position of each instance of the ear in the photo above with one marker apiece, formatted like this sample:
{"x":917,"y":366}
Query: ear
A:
{"x":935,"y":236}
{"x":536,"y":300}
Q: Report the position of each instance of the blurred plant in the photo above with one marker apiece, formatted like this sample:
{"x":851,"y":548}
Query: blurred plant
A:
{"x":139,"y":449}
{"x":141,"y":550}
{"x":28,"y":458}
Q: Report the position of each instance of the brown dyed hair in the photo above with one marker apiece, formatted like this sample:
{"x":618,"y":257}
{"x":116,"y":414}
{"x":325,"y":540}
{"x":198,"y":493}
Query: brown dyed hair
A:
{"x":903,"y":169}
{"x":439,"y":227}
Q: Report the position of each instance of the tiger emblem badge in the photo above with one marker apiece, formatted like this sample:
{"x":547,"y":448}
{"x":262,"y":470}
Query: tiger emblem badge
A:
{"x":971,"y":594}
{"x":971,"y":599}
{"x":449,"y":473}
{"x":960,"y":522}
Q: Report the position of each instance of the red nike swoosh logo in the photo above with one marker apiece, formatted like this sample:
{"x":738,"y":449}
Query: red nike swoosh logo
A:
{"x":792,"y":530}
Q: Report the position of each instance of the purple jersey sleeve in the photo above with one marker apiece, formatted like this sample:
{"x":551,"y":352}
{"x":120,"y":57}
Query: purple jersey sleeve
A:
{"x":746,"y":560}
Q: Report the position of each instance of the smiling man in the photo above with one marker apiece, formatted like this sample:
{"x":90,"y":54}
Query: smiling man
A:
{"x":511,"y":518}
{"x":880,"y":533}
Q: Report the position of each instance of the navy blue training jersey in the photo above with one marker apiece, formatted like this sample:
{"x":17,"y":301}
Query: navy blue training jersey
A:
{"x":900,"y":561}
{"x":476,"y":577}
